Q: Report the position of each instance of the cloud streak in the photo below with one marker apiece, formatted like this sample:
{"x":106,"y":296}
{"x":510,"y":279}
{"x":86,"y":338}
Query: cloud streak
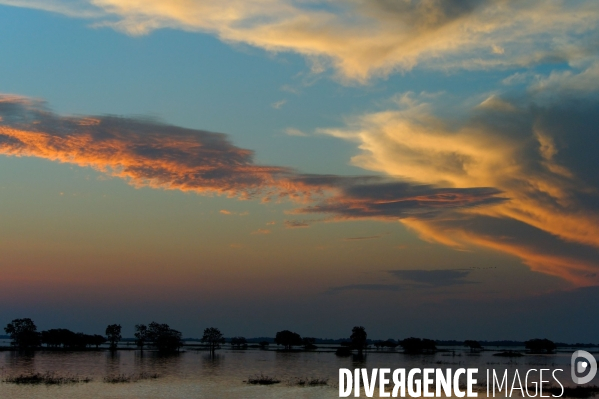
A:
{"x":412,"y":279}
{"x":169,"y":157}
{"x":364,"y":38}
{"x":433,"y":278}
{"x":144,"y":153}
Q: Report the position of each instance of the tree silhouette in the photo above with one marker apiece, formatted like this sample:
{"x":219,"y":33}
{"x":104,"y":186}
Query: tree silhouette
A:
{"x":358,"y":338}
{"x":288,"y":339}
{"x":23,"y":333}
{"x":164,"y":338}
{"x":239,"y":342}
{"x":263,"y":344}
{"x":417,"y":345}
{"x":113,"y":333}
{"x":473,"y":345}
{"x":309,"y":343}
{"x":61,"y":337}
{"x":141,"y":335}
{"x":540,"y":346}
{"x":213,"y":337}
{"x":97,"y":340}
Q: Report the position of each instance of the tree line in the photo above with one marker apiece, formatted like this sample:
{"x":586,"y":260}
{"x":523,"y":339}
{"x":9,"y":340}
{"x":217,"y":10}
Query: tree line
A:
{"x":24,"y":335}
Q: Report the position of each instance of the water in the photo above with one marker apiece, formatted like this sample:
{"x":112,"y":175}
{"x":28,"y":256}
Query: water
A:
{"x":194,"y":374}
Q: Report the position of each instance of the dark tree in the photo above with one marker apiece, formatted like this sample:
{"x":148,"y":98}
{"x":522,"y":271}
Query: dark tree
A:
{"x":417,"y":345}
{"x":288,"y":339}
{"x":141,"y":335}
{"x":358,"y":339}
{"x":540,"y":346}
{"x":473,"y":345}
{"x":309,"y":343}
{"x":82,"y":341}
{"x":97,"y":340}
{"x":164,"y":338}
{"x":213,"y":337}
{"x":263,"y":344}
{"x":385,"y":344}
{"x":389,"y":344}
{"x":53,"y":338}
{"x":239,"y":342}
{"x":113,"y":333}
{"x":23,"y":333}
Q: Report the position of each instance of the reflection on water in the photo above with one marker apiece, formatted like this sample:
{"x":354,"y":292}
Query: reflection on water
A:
{"x":196,"y":374}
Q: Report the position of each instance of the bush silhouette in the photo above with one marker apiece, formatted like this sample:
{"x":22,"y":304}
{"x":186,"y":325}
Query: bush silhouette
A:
{"x":540,"y":346}
{"x":23,"y":333}
{"x":161,"y":336}
{"x":288,"y":339}
{"x":417,"y":345}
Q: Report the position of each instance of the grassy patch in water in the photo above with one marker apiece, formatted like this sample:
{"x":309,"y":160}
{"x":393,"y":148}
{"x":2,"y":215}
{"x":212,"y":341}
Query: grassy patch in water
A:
{"x":309,"y":382}
{"x":124,"y":378}
{"x":262,"y":380}
{"x":45,"y":378}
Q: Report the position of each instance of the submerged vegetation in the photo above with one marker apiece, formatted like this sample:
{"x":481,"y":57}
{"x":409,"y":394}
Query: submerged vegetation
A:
{"x":50,"y":378}
{"x":124,"y":378}
{"x":262,"y":380}
{"x":45,"y":378}
{"x":309,"y":382}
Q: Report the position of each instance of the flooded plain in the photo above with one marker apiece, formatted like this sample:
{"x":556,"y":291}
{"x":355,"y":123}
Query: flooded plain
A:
{"x":192,"y":373}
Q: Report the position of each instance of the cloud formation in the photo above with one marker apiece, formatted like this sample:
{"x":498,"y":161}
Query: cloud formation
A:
{"x":362,"y":238}
{"x":168,"y":157}
{"x":516,"y":178}
{"x":144,"y":153}
{"x":364,"y":38}
{"x":536,"y":151}
{"x":413,"y":279}
{"x":433,"y":278}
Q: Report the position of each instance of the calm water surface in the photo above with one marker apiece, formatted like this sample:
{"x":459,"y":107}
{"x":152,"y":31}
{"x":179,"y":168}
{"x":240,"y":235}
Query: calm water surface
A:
{"x":194,"y":374}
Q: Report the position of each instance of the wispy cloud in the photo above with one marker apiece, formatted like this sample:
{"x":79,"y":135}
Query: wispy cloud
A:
{"x":278,"y":104}
{"x":375,"y":198}
{"x":294,"y":224}
{"x":413,"y":280}
{"x":433,"y":278}
{"x":362,"y":238}
{"x":227,"y":212}
{"x":365,"y":38}
{"x":291,"y":131}
{"x":168,"y":157}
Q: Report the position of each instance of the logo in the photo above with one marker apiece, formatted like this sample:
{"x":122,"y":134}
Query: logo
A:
{"x":583,"y":362}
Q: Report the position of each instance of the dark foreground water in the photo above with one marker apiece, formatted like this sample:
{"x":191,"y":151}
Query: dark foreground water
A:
{"x":194,"y":374}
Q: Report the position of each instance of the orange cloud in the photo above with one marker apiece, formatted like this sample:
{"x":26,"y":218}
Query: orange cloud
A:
{"x":365,"y":38}
{"x":516,"y":150}
{"x":173,"y":158}
{"x":145,"y":154}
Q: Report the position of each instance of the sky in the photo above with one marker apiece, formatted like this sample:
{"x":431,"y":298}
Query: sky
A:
{"x":422,"y":168}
